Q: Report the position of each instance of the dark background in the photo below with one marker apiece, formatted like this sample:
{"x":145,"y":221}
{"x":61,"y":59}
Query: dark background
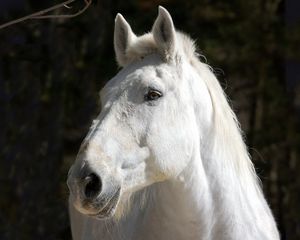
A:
{"x":51,"y":72}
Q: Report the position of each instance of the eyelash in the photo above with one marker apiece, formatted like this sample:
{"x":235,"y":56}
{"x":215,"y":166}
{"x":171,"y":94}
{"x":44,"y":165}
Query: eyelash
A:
{"x":152,"y":95}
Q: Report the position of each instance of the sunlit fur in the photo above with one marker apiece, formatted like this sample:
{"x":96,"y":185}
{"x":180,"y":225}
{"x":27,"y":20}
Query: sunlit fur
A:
{"x":217,"y":195}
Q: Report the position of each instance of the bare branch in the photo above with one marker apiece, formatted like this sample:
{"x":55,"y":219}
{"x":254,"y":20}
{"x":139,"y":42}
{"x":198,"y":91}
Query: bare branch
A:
{"x":42,"y":14}
{"x":87,"y":4}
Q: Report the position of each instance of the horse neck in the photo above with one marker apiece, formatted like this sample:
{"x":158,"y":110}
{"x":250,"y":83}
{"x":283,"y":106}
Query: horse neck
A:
{"x":237,"y":208}
{"x":217,"y":196}
{"x":178,"y":208}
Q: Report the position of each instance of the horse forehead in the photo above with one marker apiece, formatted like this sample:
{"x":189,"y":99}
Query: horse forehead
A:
{"x":143,"y":73}
{"x":159,"y":76}
{"x":150,"y":66}
{"x":151,"y":72}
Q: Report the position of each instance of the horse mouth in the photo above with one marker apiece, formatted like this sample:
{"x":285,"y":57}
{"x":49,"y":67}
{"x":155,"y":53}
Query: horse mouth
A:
{"x":109,"y":208}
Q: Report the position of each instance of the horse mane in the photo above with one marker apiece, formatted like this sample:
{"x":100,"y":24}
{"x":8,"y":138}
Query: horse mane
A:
{"x":227,"y":130}
{"x":226,"y":126}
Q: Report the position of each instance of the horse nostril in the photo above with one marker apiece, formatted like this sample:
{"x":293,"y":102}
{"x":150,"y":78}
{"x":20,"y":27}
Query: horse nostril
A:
{"x":93,"y":186}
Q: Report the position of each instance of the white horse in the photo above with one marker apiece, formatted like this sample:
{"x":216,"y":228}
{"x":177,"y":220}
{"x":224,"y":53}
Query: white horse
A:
{"x":165,"y":158}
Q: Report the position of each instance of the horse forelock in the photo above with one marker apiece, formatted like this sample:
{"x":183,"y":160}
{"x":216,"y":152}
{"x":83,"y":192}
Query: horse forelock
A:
{"x":145,"y":45}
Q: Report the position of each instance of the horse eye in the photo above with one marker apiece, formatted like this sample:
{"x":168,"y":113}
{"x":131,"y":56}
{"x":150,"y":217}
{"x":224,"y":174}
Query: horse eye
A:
{"x":152,"y":95}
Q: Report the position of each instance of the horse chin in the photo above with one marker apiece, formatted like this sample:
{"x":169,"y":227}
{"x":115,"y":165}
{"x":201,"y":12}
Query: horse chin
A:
{"x":110,"y":207}
{"x":106,"y":210}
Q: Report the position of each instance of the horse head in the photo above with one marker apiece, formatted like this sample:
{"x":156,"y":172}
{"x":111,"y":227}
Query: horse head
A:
{"x":148,"y":127}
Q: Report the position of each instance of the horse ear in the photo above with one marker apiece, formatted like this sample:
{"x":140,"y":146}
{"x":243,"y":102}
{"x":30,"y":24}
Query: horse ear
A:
{"x":164,"y":33}
{"x":123,"y":37}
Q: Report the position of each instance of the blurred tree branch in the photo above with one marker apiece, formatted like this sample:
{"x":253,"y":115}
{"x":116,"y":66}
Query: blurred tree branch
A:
{"x":41,"y":14}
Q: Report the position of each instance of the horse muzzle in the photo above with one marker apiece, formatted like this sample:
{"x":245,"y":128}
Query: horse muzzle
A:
{"x":92,"y":194}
